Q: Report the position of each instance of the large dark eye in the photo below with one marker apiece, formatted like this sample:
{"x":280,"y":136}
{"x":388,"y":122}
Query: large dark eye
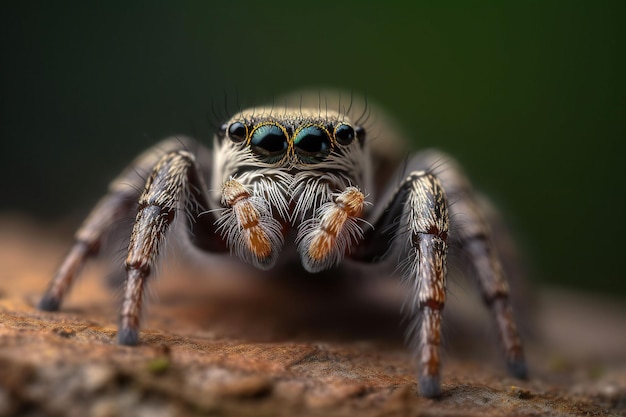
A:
{"x":268,"y":140}
{"x":344,"y":134}
{"x":312,"y":144}
{"x":237,"y":132}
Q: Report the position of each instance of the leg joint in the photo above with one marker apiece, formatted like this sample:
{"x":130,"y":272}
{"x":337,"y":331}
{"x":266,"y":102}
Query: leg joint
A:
{"x":141,"y":267}
{"x":432,"y":304}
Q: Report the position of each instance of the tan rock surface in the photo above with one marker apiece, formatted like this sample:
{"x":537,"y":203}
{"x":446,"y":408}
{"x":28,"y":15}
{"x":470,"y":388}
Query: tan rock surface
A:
{"x":218,"y":342}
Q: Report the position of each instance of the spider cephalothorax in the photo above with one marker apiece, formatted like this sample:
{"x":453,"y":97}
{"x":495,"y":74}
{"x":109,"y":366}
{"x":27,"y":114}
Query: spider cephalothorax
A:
{"x":303,"y":174}
{"x":295,"y":169}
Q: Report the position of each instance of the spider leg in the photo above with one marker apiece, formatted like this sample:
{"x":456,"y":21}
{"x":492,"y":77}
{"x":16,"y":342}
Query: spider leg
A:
{"x":175,"y":184}
{"x":420,"y":205}
{"x":118,"y":203}
{"x":473,"y":236}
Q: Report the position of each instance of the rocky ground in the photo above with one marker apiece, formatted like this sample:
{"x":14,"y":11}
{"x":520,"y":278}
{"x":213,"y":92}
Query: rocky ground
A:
{"x":217,"y":341}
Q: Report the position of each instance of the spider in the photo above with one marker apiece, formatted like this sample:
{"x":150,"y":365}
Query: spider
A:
{"x":305,"y":176}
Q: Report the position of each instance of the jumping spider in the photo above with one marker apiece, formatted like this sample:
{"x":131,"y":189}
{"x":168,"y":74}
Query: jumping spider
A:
{"x":305,"y":176}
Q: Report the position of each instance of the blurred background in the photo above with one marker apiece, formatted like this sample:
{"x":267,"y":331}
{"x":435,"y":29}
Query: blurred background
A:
{"x":529,"y":96}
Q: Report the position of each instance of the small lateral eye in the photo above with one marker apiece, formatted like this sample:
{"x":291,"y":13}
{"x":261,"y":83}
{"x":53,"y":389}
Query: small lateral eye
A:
{"x":222,"y":130}
{"x":268,"y":140}
{"x":312,"y":143}
{"x":360,"y":134}
{"x":237,"y":132}
{"x":344,"y":134}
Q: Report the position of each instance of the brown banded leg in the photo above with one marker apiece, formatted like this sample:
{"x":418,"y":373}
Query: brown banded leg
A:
{"x":120,"y":203}
{"x":473,"y":236}
{"x":117,"y":204}
{"x":174,"y":184}
{"x":495,"y":291}
{"x":420,"y":204}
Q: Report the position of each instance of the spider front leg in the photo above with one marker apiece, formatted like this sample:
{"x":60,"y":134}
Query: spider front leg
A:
{"x":420,"y":204}
{"x":119,"y":203}
{"x":421,"y":233}
{"x":175,"y":184}
{"x":473,"y":237}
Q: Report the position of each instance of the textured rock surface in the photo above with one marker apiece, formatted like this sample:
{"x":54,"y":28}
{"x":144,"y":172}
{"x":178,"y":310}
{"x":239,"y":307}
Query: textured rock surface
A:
{"x":228,"y":344}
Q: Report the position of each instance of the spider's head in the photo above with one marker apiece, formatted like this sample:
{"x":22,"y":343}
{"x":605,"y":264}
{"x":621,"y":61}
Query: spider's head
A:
{"x":294,"y":138}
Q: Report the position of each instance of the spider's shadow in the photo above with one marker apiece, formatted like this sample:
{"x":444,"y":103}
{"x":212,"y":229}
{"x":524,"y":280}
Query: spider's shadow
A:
{"x":290,"y":304}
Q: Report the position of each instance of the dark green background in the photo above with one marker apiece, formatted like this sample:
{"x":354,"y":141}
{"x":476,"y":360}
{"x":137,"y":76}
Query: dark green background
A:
{"x":529,"y":96}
